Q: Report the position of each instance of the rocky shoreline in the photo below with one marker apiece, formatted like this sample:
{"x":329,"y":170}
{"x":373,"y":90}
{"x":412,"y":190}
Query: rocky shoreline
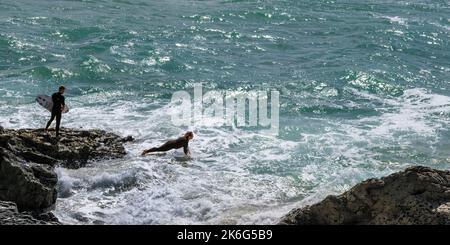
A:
{"x":28,"y":184}
{"x":27,"y":162}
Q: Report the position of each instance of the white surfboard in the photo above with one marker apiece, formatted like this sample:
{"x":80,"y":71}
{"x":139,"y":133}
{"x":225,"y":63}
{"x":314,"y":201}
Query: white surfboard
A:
{"x":47,"y":102}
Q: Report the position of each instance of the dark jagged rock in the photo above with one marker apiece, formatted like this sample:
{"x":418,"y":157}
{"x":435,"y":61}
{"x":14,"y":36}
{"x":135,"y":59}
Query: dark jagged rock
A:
{"x":418,"y":195}
{"x":30,"y":185}
{"x":73,"y":149}
{"x":28,"y":158}
{"x":9,"y":215}
{"x":46,"y":217}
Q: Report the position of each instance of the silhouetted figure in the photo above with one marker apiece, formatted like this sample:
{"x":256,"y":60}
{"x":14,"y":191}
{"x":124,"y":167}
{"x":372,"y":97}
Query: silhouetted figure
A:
{"x":182,"y":142}
{"x":58,"y":106}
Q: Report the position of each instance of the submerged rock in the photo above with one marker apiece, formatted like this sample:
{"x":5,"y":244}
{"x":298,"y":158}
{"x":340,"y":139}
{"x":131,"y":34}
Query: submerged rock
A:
{"x":9,"y":215}
{"x":418,"y":195}
{"x":28,"y":158}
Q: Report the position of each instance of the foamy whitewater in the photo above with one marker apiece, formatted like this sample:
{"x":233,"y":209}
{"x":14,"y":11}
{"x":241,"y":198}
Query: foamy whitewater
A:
{"x":364,"y":92}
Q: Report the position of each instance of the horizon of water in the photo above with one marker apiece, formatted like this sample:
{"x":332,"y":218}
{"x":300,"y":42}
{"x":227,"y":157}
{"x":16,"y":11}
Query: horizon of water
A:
{"x":364,"y":92}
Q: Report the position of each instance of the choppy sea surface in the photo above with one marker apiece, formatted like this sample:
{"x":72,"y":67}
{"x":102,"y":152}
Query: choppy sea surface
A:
{"x":364,"y":92}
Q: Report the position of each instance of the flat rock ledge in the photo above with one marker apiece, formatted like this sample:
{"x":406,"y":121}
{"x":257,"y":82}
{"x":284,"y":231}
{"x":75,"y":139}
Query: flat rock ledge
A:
{"x":416,"y":196}
{"x":27,"y":161}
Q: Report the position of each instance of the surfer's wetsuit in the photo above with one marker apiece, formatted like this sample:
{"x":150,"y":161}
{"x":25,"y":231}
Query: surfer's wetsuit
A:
{"x":181,"y":142}
{"x":58,"y":104}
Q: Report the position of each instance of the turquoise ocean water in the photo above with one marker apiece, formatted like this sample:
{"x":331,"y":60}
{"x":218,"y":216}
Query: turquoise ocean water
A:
{"x":364,"y":92}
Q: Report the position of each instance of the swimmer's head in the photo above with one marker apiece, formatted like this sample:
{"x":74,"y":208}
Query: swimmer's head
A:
{"x":189,"y":135}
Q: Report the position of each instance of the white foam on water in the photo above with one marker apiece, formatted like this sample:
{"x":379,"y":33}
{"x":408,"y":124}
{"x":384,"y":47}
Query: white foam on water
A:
{"x":411,"y":112}
{"x":397,"y":20}
{"x":236,"y":176}
{"x":215,"y":181}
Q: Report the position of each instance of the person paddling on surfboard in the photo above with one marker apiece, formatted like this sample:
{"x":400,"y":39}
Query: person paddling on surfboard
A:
{"x":57,"y":109}
{"x":182,"y":142}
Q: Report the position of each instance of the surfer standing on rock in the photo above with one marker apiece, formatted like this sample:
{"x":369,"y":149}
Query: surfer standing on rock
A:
{"x":57,"y":109}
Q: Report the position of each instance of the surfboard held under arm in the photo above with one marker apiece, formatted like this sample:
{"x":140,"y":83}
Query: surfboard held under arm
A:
{"x":47,"y":102}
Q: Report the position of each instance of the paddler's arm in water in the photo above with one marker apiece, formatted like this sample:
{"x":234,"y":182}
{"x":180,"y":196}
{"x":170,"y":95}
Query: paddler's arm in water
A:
{"x":144,"y":152}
